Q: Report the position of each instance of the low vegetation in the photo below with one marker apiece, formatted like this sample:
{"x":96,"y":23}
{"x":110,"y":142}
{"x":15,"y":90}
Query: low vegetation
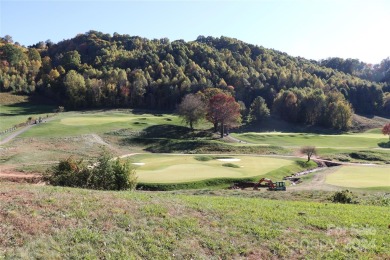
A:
{"x":104,"y":174}
{"x":55,"y":222}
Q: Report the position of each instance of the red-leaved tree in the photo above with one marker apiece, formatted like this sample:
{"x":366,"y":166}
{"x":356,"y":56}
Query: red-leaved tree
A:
{"x":225,"y":111}
{"x":386,"y":130}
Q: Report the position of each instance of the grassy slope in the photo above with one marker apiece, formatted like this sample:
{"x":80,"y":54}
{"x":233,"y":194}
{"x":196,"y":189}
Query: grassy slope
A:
{"x":51,"y":222}
{"x":17,"y":109}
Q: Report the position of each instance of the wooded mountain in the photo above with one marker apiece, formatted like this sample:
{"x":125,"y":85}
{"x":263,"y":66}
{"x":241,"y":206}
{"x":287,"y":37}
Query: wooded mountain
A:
{"x":95,"y":70}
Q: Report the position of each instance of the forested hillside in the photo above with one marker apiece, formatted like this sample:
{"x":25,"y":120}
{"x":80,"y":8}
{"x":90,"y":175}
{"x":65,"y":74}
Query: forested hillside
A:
{"x":95,"y":70}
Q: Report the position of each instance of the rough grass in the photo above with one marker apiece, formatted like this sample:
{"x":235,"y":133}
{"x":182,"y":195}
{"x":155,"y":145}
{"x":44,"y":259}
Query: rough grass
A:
{"x":361,"y":177}
{"x":63,"y":223}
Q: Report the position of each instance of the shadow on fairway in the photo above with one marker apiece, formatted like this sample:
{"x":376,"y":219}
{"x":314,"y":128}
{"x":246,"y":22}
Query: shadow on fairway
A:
{"x":170,"y":138}
{"x":384,"y":144}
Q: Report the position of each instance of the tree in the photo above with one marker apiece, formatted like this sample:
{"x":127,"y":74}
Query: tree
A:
{"x":75,"y":88}
{"x":223,"y":109}
{"x":386,"y":130}
{"x":258,"y":110}
{"x":309,"y":151}
{"x":192,"y":109}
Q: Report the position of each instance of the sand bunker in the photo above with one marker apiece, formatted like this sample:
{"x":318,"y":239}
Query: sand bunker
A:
{"x":230,"y":160}
{"x":139,"y":163}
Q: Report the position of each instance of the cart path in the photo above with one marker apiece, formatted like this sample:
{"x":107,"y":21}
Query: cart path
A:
{"x":21,"y":131}
{"x":15,"y":134}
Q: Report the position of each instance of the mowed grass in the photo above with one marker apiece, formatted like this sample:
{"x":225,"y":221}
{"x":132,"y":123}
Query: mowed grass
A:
{"x":79,"y":123}
{"x":364,"y":140}
{"x":185,"y":168}
{"x":361,"y":177}
{"x":43,"y":222}
{"x":11,"y":115}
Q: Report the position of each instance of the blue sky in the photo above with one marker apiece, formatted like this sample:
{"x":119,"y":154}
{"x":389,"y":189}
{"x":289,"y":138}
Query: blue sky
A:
{"x":312,"y":29}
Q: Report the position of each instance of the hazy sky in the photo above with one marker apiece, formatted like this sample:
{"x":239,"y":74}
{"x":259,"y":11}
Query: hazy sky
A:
{"x":312,"y":29}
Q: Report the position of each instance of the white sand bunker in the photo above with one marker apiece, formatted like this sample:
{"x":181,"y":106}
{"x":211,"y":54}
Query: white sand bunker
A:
{"x":230,"y":160}
{"x":138,"y":163}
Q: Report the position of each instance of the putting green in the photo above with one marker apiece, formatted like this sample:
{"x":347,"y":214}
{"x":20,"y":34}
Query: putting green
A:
{"x":360,"y":176}
{"x":184,"y":168}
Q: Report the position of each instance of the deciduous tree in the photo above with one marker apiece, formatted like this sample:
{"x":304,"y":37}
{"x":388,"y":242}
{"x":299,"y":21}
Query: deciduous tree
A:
{"x":224,"y":110}
{"x":386,"y":130}
{"x":192,"y":109}
{"x":309,"y":151}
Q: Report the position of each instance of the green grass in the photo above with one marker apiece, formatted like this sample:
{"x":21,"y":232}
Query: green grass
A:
{"x":76,"y":123}
{"x":11,"y":115}
{"x":364,"y":140}
{"x":361,"y":177}
{"x":185,"y":168}
{"x":63,"y":223}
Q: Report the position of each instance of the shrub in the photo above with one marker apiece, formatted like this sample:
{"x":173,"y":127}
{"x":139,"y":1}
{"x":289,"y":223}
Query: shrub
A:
{"x":105,"y":174}
{"x":69,"y":172}
{"x":345,"y":197}
{"x":231,"y":165}
{"x":203,"y":158}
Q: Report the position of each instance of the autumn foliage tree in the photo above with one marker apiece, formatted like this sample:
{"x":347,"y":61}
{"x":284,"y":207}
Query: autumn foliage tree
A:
{"x":386,"y":130}
{"x":223,"y":110}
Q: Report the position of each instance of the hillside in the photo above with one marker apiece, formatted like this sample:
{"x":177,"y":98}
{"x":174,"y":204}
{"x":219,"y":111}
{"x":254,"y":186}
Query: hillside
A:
{"x":95,"y":70}
{"x":44,"y":222}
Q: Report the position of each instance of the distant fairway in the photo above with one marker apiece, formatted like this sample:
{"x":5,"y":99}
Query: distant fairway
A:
{"x":83,"y":121}
{"x":79,"y":123}
{"x":360,"y":177}
{"x":184,"y":168}
{"x":348,"y":141}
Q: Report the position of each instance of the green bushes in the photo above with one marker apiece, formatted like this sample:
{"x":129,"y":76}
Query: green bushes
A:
{"x":232,"y":165}
{"x":105,"y":174}
{"x":345,"y":197}
{"x":203,"y":158}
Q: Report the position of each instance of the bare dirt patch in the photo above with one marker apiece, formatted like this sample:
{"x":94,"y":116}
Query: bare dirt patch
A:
{"x":20,"y":177}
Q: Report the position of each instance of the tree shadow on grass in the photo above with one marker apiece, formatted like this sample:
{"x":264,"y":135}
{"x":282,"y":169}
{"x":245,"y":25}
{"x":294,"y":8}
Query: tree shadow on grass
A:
{"x":169,"y":138}
{"x":384,"y":144}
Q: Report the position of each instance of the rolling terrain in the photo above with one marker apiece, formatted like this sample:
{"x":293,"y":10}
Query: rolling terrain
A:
{"x":199,"y":218}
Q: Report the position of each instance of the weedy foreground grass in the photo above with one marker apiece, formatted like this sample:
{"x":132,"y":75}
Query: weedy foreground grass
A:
{"x":56,"y":223}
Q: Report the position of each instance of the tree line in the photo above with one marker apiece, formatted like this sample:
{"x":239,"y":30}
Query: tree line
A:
{"x":95,"y":70}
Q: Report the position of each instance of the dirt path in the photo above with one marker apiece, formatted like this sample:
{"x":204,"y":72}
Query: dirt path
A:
{"x":317,"y":182}
{"x":9,"y":174}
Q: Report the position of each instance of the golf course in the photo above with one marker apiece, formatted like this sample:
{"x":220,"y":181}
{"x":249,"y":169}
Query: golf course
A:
{"x":184,"y":205}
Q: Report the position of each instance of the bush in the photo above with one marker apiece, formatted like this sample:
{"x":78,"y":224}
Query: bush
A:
{"x":231,"y":165}
{"x":105,"y":174}
{"x":203,"y":158}
{"x":345,"y":197}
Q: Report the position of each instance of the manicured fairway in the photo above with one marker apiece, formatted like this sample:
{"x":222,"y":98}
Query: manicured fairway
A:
{"x":359,"y":140}
{"x":184,"y":168}
{"x":360,"y":177}
{"x":76,"y":123}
